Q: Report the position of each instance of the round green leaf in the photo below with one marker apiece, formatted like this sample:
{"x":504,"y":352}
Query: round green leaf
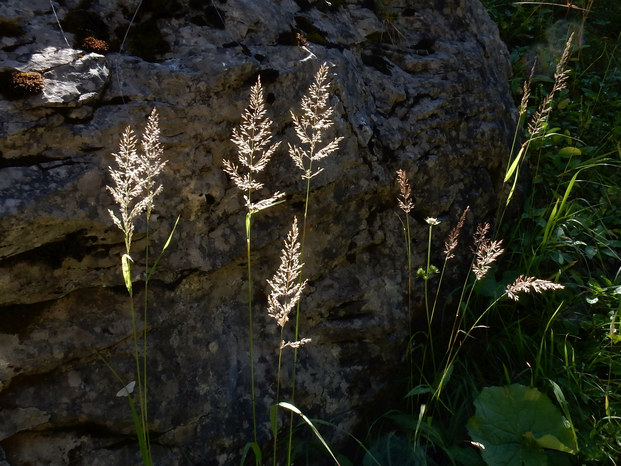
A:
{"x":514,"y":425}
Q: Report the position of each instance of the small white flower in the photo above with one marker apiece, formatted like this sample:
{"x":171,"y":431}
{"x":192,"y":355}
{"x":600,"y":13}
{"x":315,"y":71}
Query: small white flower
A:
{"x":432,"y":221}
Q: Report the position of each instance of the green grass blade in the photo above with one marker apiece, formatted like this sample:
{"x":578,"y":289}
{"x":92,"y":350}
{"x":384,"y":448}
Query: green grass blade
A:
{"x":171,"y":234}
{"x":560,"y":398}
{"x":144,"y":451}
{"x":549,"y":224}
{"x":515,"y":164}
{"x":558,"y":209}
{"x":166,"y":245}
{"x":353,"y":437}
{"x":140,"y":433}
{"x":295,"y":410}
{"x":256,"y":449}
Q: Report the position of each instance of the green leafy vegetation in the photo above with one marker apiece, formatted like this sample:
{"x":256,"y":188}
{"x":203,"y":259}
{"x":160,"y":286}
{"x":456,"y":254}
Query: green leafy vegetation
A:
{"x":517,"y":425}
{"x":508,"y":374}
{"x":134,"y":189}
{"x":509,"y":359}
{"x":570,"y":225}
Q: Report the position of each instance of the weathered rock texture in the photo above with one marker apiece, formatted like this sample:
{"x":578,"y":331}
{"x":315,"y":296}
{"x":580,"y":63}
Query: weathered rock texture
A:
{"x":418,"y":84}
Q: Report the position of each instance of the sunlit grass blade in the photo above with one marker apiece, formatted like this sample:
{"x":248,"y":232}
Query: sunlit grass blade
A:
{"x":558,"y":210}
{"x":513,"y":168}
{"x":126,"y":270}
{"x":369,"y":455}
{"x":164,"y":248}
{"x":295,"y":410}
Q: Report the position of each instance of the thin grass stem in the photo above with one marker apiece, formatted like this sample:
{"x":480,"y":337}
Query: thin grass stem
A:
{"x":251,"y":325}
{"x":310,"y":127}
{"x":144,"y":331}
{"x":297,"y":318}
{"x":254,"y":151}
{"x":428,"y":313}
{"x":278,"y":390}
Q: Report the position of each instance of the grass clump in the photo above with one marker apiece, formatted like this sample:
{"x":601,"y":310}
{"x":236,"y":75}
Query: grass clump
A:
{"x":502,"y":330}
{"x":570,"y":225}
{"x":311,"y":128}
{"x":134,"y":189}
{"x":505,"y":331}
{"x":255,"y":149}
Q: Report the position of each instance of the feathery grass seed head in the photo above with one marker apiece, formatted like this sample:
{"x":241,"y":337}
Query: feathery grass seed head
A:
{"x":310,"y":126}
{"x":561,"y":75}
{"x":486,"y":251}
{"x":405,"y":197}
{"x":151,"y":159}
{"x":127,"y":189}
{"x":295,"y":344}
{"x":134,"y":178}
{"x":526,"y":91}
{"x":527,"y":284}
{"x":254,"y":150}
{"x":451,"y":243}
{"x":286,"y":289}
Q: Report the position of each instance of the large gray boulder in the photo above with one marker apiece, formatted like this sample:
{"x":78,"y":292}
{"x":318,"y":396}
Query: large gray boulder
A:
{"x":419,"y":85}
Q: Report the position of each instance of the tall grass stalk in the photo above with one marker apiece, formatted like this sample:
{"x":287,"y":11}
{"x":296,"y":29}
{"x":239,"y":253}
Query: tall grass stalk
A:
{"x":426,"y":274}
{"x":450,"y":245}
{"x":254,"y":150}
{"x":537,"y":124}
{"x":134,"y":189}
{"x":540,"y":353}
{"x":286,"y":290}
{"x":406,"y":204}
{"x":449,"y":253}
{"x":152,"y":154}
{"x":486,"y":253}
{"x":613,"y":336}
{"x":521,"y":285}
{"x":311,"y":130}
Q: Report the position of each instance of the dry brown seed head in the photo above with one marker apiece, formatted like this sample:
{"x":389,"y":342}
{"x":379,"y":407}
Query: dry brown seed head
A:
{"x":452,"y":241}
{"x":27,"y":83}
{"x":525,"y":284}
{"x":90,"y":44}
{"x":405,"y":195}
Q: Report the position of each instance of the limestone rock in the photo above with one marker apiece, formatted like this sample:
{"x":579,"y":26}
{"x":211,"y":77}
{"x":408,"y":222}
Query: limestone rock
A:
{"x":416,"y":85}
